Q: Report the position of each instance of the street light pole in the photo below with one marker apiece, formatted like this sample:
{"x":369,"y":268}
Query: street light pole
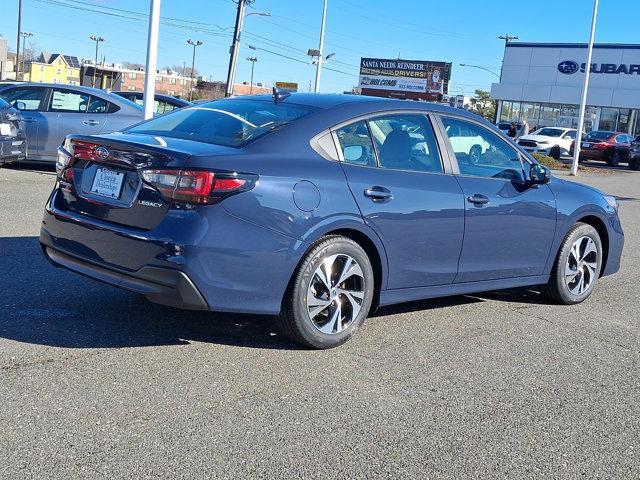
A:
{"x":96,"y":39}
{"x":195,"y":44}
{"x":320,"y":48}
{"x":17,"y":65}
{"x":585,"y":88}
{"x":152,"y":60}
{"x":253,"y":61}
{"x":481,"y":68}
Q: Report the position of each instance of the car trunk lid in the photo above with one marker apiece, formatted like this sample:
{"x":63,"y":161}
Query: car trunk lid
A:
{"x":105,"y":176}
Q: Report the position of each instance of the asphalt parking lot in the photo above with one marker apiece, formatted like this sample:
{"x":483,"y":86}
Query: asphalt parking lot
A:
{"x":97,"y":382}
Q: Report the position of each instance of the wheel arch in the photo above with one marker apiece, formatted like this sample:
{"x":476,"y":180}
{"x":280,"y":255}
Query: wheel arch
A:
{"x":363,"y":236}
{"x":600,"y":227}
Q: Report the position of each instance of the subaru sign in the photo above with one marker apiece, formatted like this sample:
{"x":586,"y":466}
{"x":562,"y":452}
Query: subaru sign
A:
{"x":568,"y":67}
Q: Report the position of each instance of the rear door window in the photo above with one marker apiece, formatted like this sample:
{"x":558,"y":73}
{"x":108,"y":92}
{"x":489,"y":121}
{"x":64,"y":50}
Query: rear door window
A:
{"x":406,"y":142}
{"x":68,"y":101}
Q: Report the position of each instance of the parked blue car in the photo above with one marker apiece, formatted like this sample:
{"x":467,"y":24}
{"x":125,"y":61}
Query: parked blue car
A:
{"x":318,"y":208}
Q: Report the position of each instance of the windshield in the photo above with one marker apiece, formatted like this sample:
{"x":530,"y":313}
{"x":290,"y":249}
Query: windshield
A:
{"x":4,"y":105}
{"x":549,"y":132}
{"x":598,"y":135}
{"x":231,"y":123}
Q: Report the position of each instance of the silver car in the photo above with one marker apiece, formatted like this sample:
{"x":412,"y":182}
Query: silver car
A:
{"x":52,"y":111}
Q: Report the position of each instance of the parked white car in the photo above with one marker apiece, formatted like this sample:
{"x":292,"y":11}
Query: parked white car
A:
{"x":468,"y":142}
{"x":552,"y":141}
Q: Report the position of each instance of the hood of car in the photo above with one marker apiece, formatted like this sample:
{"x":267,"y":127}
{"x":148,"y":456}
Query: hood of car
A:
{"x":539,"y":138}
{"x":575,"y":185}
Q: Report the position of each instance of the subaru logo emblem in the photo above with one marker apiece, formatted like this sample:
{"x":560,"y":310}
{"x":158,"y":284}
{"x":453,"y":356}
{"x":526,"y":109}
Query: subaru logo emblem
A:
{"x":102,"y":153}
{"x":568,"y":67}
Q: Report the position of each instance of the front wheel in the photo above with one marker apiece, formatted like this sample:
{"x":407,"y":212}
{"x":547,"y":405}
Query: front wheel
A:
{"x":330,"y":295}
{"x":634,"y":164}
{"x":555,"y":153}
{"x":577,"y":266}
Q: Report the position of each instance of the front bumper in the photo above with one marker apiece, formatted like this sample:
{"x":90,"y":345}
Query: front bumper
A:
{"x":12,"y":149}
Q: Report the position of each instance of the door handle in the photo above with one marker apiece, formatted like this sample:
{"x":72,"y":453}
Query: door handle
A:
{"x":28,"y":120}
{"x":377,"y":193}
{"x":91,"y":122}
{"x":478,"y":199}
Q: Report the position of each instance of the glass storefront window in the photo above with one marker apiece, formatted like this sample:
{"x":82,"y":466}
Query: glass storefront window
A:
{"x":624,"y":120}
{"x":549,"y":115}
{"x":608,"y":119}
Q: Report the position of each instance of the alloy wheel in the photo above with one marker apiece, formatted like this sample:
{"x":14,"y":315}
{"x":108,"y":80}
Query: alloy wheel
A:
{"x":335,"y":294}
{"x":582,"y":265}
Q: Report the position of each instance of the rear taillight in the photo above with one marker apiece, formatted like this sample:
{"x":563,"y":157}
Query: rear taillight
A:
{"x":601,"y":146}
{"x":83,"y":150}
{"x":198,"y":186}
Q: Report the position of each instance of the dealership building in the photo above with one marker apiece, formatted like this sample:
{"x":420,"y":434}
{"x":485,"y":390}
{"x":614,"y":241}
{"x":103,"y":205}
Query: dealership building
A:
{"x":542,"y":84}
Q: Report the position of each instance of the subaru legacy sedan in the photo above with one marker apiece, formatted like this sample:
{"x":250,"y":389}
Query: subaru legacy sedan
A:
{"x":318,"y":208}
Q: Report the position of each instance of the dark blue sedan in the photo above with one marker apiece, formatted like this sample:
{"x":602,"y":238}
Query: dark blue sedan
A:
{"x":318,"y":208}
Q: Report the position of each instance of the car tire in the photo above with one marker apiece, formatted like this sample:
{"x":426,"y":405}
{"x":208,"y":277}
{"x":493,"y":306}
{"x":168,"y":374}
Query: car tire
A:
{"x":475,"y":153}
{"x":554,"y":152}
{"x":634,"y":164}
{"x":613,"y":159}
{"x":580,"y":252}
{"x":346,"y":300}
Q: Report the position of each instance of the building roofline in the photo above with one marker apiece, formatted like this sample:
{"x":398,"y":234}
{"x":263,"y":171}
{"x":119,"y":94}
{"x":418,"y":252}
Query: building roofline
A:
{"x":627,"y":46}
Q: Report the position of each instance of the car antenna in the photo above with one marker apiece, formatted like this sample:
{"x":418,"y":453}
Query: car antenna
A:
{"x":279,"y":95}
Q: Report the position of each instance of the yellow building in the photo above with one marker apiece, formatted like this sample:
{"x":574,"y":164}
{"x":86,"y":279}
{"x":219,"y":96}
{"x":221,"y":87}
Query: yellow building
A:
{"x":53,"y":68}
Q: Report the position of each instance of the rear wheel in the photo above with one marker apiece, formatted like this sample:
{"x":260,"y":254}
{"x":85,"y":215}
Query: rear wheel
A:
{"x":330,"y":294}
{"x":634,"y":164}
{"x":577,"y":266}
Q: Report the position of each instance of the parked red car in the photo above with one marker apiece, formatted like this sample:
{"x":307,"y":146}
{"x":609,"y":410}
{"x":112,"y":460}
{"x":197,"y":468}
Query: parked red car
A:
{"x":610,"y":147}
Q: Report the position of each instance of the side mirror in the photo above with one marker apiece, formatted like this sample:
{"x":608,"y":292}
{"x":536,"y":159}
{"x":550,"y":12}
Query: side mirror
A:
{"x":353,"y":153}
{"x":539,"y":174}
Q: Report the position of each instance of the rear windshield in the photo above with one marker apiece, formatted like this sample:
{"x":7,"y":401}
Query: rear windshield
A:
{"x":598,"y":135}
{"x":231,"y":123}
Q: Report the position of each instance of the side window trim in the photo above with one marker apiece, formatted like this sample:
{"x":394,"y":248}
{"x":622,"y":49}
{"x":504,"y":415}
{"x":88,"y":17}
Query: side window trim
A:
{"x":454,"y":160}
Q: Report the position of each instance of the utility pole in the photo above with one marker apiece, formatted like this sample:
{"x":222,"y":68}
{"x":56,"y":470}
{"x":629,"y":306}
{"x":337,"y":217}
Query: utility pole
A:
{"x":585,"y":88}
{"x":235,"y":46}
{"x":17,"y":65}
{"x":507,"y":38}
{"x":152,"y":60}
{"x":320,"y":48}
{"x":253,"y":61}
{"x":24,"y":35}
{"x":195,"y":44}
{"x":96,"y":39}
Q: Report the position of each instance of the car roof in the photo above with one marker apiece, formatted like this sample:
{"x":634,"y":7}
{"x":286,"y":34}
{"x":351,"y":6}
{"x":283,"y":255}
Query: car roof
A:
{"x":157,"y":96}
{"x":117,"y":99}
{"x":332,"y":100}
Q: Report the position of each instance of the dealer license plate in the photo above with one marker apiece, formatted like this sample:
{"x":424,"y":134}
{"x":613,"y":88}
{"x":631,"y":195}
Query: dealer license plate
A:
{"x":107,"y":183}
{"x":585,"y":145}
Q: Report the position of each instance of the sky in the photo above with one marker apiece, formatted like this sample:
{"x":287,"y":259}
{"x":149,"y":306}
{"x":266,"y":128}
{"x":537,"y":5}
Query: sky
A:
{"x":460,"y":31}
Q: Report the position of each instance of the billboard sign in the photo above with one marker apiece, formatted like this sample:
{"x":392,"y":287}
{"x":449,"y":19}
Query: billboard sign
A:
{"x":287,"y":86}
{"x":405,"y":75}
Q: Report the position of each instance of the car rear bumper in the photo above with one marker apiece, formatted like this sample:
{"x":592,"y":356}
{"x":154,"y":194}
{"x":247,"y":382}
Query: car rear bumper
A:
{"x":234,"y":265}
{"x":160,"y":285}
{"x":592,"y":154}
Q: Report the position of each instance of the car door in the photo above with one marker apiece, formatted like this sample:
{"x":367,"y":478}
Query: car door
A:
{"x":623,"y":145}
{"x":509,"y":224}
{"x":75,"y":112}
{"x":406,"y":195}
{"x":31,"y":102}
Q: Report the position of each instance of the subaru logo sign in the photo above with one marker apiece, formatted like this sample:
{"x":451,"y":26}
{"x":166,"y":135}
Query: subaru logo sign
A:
{"x":568,"y":67}
{"x":102,"y":153}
